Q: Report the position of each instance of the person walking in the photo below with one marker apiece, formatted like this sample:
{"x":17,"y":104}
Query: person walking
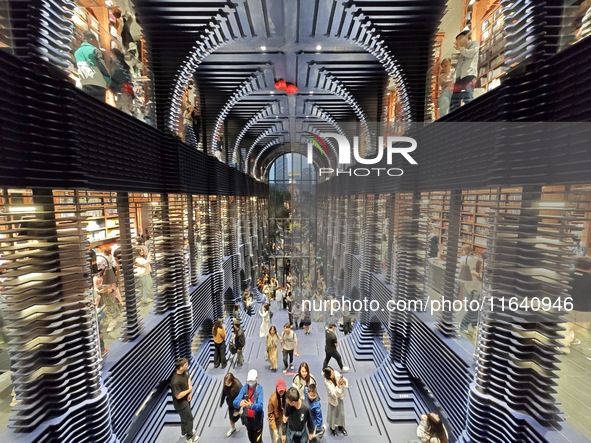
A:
{"x":466,"y":69}
{"x":239,"y":341}
{"x":219,"y":344}
{"x":265,"y":313}
{"x":330,"y":348}
{"x":182,"y":394}
{"x":335,"y":386}
{"x":298,"y":425}
{"x":272,"y":345}
{"x":275,"y":410}
{"x":230,"y":391}
{"x":289,"y":346}
{"x":316,"y":410}
{"x":250,"y":399}
{"x":303,"y":379}
{"x":143,"y":270}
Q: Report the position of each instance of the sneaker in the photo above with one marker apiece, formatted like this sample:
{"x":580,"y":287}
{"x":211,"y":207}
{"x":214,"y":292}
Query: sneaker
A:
{"x":230,"y":432}
{"x":285,"y":371}
{"x":575,"y":342}
{"x":224,"y":366}
{"x":291,"y":367}
{"x":344,"y":431}
{"x":345,"y":369}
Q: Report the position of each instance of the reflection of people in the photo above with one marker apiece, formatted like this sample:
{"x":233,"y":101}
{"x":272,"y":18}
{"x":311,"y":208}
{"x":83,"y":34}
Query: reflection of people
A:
{"x":579,"y":318}
{"x":265,"y":313}
{"x":470,"y":259}
{"x":121,"y":82}
{"x":466,"y":68}
{"x":94,"y":76}
{"x":142,"y":272}
{"x":446,"y":81}
{"x":433,"y":242}
{"x":431,"y":429}
{"x":182,"y":392}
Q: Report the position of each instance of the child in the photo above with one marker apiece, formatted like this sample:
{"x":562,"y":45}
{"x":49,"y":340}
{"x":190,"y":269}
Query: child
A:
{"x":316,"y":411}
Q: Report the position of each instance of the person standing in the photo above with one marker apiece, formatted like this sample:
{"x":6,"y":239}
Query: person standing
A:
{"x":219,"y":344}
{"x":93,"y":73}
{"x":239,"y":341}
{"x":330,"y":348}
{"x":121,"y":84}
{"x":446,"y":82}
{"x":143,"y":271}
{"x":303,"y":379}
{"x":466,"y":69}
{"x":265,"y":313}
{"x":275,"y":410}
{"x":230,"y":390}
{"x":182,"y":392}
{"x":289,"y":346}
{"x":272,"y":345}
{"x":335,"y":386}
{"x":250,"y":399}
{"x":298,"y":425}
{"x":297,"y":314}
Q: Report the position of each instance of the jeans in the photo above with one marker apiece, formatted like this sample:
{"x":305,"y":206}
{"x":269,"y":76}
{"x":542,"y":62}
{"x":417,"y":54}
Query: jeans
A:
{"x":333,"y":354}
{"x":285,"y":354}
{"x":297,"y":437}
{"x":186,"y":420}
{"x":443,"y":102}
{"x":239,"y":358}
{"x":463,"y":91}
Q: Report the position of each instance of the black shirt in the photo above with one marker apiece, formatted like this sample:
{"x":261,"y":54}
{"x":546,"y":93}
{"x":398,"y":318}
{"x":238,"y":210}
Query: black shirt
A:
{"x":298,"y":419}
{"x":230,"y":393}
{"x":179,"y":383}
{"x":331,"y":341}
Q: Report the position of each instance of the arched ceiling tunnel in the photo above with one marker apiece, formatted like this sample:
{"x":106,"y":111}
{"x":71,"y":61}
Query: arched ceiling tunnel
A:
{"x":342,"y":55}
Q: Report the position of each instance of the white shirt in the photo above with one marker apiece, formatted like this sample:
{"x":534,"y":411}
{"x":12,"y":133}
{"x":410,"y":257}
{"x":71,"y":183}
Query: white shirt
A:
{"x":142,"y":266}
{"x":468,"y":61}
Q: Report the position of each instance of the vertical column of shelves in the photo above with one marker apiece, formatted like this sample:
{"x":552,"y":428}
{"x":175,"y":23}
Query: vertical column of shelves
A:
{"x":477,"y":206}
{"x":101,"y":217}
{"x":491,"y":64}
{"x":439,"y":214}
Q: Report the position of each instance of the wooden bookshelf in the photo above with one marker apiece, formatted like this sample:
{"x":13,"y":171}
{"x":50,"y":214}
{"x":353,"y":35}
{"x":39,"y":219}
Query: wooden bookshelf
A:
{"x":491,"y":63}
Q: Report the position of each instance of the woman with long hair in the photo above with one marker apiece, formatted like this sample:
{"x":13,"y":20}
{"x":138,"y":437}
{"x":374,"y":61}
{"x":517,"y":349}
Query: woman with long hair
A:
{"x":219,"y":343}
{"x":265,"y":313}
{"x":230,"y":390}
{"x":335,"y":386}
{"x":431,"y":429}
{"x":272,"y":345}
{"x":303,"y":379}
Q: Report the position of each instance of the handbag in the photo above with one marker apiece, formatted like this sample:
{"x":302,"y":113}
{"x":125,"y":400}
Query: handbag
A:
{"x":232,"y":347}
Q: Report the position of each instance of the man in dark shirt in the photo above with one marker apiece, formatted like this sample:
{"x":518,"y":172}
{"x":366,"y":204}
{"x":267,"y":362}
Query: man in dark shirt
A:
{"x":182,"y":391}
{"x":298,"y":424}
{"x":330,"y":348}
{"x":239,"y":342}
